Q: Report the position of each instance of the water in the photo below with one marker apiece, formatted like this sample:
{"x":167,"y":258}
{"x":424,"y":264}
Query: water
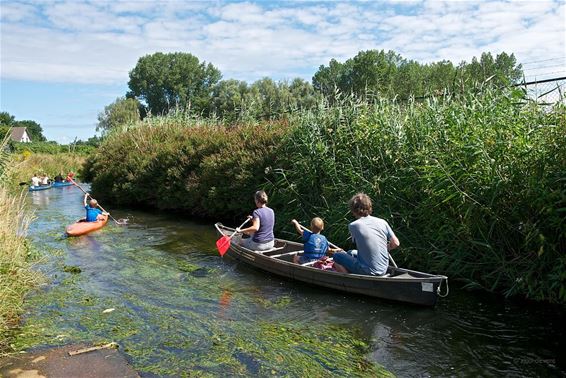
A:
{"x":158,"y":288}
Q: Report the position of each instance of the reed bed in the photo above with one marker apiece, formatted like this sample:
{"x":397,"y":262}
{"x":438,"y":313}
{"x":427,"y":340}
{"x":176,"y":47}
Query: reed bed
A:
{"x":25,"y":165}
{"x":16,"y":275}
{"x":475,"y":186}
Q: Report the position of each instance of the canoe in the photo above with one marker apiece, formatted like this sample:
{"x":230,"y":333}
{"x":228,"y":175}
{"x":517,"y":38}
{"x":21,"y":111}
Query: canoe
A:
{"x":402,"y":285}
{"x":82,"y":228}
{"x":39,"y":187}
{"x":61,"y":184}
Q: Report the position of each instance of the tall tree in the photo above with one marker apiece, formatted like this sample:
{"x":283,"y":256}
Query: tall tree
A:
{"x":6,"y":119}
{"x":123,"y":111}
{"x":174,"y":80}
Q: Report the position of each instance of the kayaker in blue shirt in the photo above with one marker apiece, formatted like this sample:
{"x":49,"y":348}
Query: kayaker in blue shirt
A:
{"x":93,"y":213}
{"x":316,"y":244}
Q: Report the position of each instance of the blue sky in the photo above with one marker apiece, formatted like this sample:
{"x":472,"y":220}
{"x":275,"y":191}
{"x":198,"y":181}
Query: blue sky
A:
{"x":62,"y":61}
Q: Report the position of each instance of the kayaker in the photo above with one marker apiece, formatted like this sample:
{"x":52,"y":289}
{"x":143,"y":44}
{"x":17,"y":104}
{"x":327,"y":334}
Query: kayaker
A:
{"x":316,"y":244}
{"x":261,"y":230}
{"x":58,"y":178}
{"x":70,"y":177}
{"x":93,"y":213}
{"x":35,"y":180}
{"x":44,"y":179}
{"x":373,"y":237}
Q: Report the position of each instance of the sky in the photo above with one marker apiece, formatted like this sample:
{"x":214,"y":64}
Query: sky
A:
{"x":62,"y":62}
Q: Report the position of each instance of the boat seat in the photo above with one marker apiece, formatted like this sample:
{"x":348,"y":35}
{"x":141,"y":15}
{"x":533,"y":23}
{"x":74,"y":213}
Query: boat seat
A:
{"x":271,"y":250}
{"x":286,"y":254}
{"x":404,"y":275}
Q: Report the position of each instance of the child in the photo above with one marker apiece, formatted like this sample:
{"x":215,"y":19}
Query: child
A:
{"x":93,"y":213}
{"x":316,"y":244}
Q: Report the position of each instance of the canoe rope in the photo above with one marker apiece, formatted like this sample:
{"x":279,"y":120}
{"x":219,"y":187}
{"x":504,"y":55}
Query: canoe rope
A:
{"x":440,"y":285}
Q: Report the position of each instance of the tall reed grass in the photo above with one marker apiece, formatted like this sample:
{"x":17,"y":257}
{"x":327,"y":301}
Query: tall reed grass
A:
{"x":474,"y":186}
{"x":16,"y":275}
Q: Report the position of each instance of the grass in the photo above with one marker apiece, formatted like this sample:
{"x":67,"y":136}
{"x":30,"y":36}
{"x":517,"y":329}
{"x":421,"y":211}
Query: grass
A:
{"x":16,"y":275}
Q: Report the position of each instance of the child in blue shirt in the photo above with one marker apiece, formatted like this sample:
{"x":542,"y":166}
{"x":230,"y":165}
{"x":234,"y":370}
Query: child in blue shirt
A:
{"x":316,"y":244}
{"x":92,"y":210}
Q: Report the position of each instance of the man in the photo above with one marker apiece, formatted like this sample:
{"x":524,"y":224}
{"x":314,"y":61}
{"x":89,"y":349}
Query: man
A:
{"x":373,"y":237}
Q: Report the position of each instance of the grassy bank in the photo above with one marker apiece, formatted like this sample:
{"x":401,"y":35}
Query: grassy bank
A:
{"x":16,"y":274}
{"x":475,"y":187}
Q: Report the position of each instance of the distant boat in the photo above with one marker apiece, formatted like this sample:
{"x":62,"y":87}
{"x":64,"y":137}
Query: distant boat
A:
{"x":61,"y":184}
{"x":82,"y":228}
{"x":398,"y":284}
{"x":39,"y":187}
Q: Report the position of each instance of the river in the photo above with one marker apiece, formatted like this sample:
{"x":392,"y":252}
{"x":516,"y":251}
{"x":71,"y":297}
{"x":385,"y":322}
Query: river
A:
{"x":158,"y":288}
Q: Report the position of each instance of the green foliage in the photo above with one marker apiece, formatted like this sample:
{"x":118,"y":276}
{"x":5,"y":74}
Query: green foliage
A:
{"x":6,"y":119}
{"x":178,"y":162}
{"x":374,"y":72}
{"x":474,"y":186}
{"x":171,"y":81}
{"x":123,"y":111}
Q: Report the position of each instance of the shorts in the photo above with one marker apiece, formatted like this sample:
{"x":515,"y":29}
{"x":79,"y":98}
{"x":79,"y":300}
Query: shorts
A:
{"x":349,"y":260}
{"x":250,"y":244}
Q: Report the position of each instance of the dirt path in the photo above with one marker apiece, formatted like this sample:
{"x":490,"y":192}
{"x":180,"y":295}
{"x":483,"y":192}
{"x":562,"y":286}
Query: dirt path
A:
{"x":58,"y":363}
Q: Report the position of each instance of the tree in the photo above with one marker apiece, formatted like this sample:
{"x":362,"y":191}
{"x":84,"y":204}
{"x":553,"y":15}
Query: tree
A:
{"x":123,"y":111}
{"x":228,"y":100}
{"x":175,"y":80}
{"x":6,"y":119}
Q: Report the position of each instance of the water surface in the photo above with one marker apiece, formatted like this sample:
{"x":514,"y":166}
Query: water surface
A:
{"x":158,"y":288}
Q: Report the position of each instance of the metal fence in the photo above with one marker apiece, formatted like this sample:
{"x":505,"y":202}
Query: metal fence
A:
{"x":545,"y":92}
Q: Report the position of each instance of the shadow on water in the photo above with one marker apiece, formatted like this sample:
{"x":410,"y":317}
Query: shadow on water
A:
{"x":158,"y":287}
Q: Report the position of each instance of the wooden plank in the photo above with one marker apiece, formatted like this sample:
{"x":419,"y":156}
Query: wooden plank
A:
{"x":286,"y":254}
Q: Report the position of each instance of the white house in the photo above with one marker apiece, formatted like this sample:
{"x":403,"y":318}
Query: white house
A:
{"x":20,"y":134}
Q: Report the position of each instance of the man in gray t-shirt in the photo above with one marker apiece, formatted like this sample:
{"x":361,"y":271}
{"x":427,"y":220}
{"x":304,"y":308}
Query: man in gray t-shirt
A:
{"x":373,"y":237}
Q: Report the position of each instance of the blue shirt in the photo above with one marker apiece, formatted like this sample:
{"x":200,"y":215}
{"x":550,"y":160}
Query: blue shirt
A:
{"x":92,"y":213}
{"x":316,"y":245}
{"x":266,"y":222}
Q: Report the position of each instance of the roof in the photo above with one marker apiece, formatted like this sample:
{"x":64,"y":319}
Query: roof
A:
{"x":18,"y":133}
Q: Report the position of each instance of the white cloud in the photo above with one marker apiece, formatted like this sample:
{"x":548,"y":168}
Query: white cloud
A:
{"x":89,"y":41}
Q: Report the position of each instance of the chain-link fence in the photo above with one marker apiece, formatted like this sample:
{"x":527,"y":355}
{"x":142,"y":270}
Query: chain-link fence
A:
{"x":547,"y":92}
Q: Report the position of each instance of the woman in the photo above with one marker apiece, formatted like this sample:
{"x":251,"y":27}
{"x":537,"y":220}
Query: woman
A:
{"x":261,"y":230}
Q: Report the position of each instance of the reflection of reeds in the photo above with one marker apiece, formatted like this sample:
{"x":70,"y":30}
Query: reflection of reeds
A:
{"x":16,"y":276}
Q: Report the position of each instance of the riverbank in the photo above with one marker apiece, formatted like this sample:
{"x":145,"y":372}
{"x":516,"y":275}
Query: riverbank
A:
{"x":473,"y":185}
{"x":17,"y":255}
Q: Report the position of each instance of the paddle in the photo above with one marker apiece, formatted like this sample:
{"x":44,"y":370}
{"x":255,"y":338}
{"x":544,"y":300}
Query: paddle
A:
{"x":121,"y":222}
{"x":223,"y":243}
{"x":334,"y":246}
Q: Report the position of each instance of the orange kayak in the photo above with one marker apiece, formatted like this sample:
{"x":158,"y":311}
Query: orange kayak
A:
{"x":81,"y":227}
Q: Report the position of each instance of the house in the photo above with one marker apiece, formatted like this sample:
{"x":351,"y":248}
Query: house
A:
{"x":20,"y":134}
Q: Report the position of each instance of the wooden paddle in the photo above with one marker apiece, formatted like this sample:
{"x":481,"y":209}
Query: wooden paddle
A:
{"x":122,"y":221}
{"x":223,"y":243}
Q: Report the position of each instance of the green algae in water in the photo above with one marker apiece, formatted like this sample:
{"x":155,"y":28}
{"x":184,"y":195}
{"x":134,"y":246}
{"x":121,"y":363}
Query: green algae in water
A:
{"x":178,"y":311}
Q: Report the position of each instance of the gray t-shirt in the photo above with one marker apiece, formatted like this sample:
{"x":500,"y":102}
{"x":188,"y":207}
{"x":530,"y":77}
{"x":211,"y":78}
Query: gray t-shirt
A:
{"x":371,"y":235}
{"x":266,"y":222}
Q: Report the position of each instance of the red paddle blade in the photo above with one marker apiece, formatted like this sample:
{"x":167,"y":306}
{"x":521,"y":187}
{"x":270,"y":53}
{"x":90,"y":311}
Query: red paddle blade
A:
{"x":223,"y":244}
